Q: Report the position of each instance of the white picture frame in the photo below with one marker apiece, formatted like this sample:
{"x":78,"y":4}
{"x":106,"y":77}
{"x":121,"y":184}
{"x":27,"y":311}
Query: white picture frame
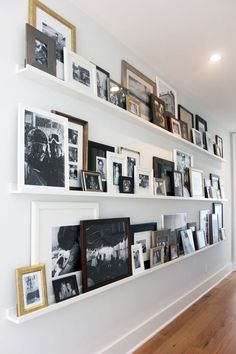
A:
{"x":38,"y":171}
{"x":196,"y":183}
{"x":167,"y":94}
{"x":80,"y":73}
{"x":182,"y":160}
{"x":144,"y":238}
{"x":187,"y":241}
{"x":209,"y":143}
{"x":45,"y":218}
{"x":197,"y":138}
{"x":116,"y":167}
{"x":143,"y":181}
{"x":130,"y":156}
{"x":137,"y":259}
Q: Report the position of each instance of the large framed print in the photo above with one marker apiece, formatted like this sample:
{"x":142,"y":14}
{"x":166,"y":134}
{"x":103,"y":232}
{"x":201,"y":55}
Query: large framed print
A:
{"x":164,"y":169}
{"x":218,"y":210}
{"x":158,"y":112}
{"x":141,"y":233}
{"x":132,"y":159}
{"x":167,"y":94}
{"x":187,"y":117}
{"x":143,"y":181}
{"x":116,"y":168}
{"x":196,"y":183}
{"x":139,"y":86}
{"x":42,"y":151}
{"x":55,"y":27}
{"x":78,"y":148}
{"x":55,"y":239}
{"x":105,"y":251}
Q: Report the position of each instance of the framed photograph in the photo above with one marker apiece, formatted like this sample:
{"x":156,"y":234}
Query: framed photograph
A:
{"x":133,"y":106}
{"x":31,"y":289}
{"x":167,"y":94}
{"x":143,"y":181}
{"x":142,"y":233}
{"x":197,"y":138}
{"x":196,"y":183}
{"x":116,"y":167}
{"x":175,"y":126}
{"x":42,"y":151}
{"x":40,"y":50}
{"x":78,"y":148}
{"x":219,"y":142}
{"x":204,"y":223}
{"x":209,"y":142}
{"x":137,"y":258}
{"x":178,"y":184}
{"x":132,"y":159}
{"x":103,"y":83}
{"x":176,"y":223}
{"x":222,"y":189}
{"x":162,"y":238}
{"x":118,"y":94}
{"x":54,"y":26}
{"x":57,"y":241}
{"x":187,"y":241}
{"x":200,"y":238}
{"x":184,"y":130}
{"x":65,"y":288}
{"x":156,"y":256}
{"x":164,"y":169}
{"x":105,"y":251}
{"x":222,"y":234}
{"x":213,"y":228}
{"x":218,"y":210}
{"x":174,"y":251}
{"x":158,"y":112}
{"x":183,"y":162}
{"x":139,"y":86}
{"x":217,"y":150}
{"x":91,"y":181}
{"x":192,"y":226}
{"x":215,"y":181}
{"x":159,"y":186}
{"x":186,"y":117}
{"x":126,"y":185}
{"x":80,"y":72}
{"x":201,"y":126}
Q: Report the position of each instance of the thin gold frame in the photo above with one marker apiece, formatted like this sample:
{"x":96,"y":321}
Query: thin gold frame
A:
{"x":134,"y":101}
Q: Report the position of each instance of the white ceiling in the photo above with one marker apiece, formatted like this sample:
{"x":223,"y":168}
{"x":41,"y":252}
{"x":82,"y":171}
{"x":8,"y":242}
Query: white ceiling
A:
{"x":176,"y":37}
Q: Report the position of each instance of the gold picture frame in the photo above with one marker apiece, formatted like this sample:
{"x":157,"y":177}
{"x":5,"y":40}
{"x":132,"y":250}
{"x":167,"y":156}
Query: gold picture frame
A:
{"x":31,"y":289}
{"x":133,"y":106}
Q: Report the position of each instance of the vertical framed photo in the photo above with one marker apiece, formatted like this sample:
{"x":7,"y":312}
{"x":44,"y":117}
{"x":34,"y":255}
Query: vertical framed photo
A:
{"x":158,"y":112}
{"x":133,"y":106}
{"x":31,"y":289}
{"x":164,"y":169}
{"x":65,"y":288}
{"x":105,"y":251}
{"x":196,"y":183}
{"x":215,"y":181}
{"x":222,"y":234}
{"x":141,"y":234}
{"x":137,"y":259}
{"x":55,"y":27}
{"x":209,"y":143}
{"x":143,"y":181}
{"x":219,"y":142}
{"x":156,"y":256}
{"x":197,"y":138}
{"x":167,"y":94}
{"x":159,"y":186}
{"x":132,"y":159}
{"x":91,"y":181}
{"x":162,"y":238}
{"x":174,"y":251}
{"x":204,"y":222}
{"x":183,"y":162}
{"x":218,"y":210}
{"x":40,"y":50}
{"x":42,"y":150}
{"x":187,"y":241}
{"x":201,"y":126}
{"x":116,"y":167}
{"x":118,"y":94}
{"x":126,"y":185}
{"x":103,"y":83}
{"x":78,"y":148}
{"x":175,"y":127}
{"x":178,"y":184}
{"x":201,"y":240}
{"x":184,"y":130}
{"x":187,"y":117}
{"x":213,"y":228}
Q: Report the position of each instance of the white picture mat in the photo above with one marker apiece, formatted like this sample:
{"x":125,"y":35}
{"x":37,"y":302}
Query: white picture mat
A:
{"x":147,"y":172}
{"x":173,"y":221}
{"x":197,"y":183}
{"x":144,"y":235}
{"x":45,"y":216}
{"x":38,"y":274}
{"x":114,"y":158}
{"x":80,"y":145}
{"x":182,"y":160}
{"x":135,"y":248}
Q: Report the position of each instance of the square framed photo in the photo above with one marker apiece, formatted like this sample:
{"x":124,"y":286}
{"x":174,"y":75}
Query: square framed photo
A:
{"x":133,"y":106}
{"x":143,"y":181}
{"x":103,"y":83}
{"x":209,"y":142}
{"x":201,"y":126}
{"x":174,"y":251}
{"x":78,"y":148}
{"x":175,"y":127}
{"x":141,"y":233}
{"x":213,"y":228}
{"x":31,"y":289}
{"x":159,"y":186}
{"x":91,"y":181}
{"x":186,"y":117}
{"x":162,"y":238}
{"x":178,"y":184}
{"x":137,"y":258}
{"x":42,"y":151}
{"x":204,"y":222}
{"x":218,"y":210}
{"x":184,"y":130}
{"x":55,"y":239}
{"x":105,"y":251}
{"x":54,"y":26}
{"x":167,"y":94}
{"x":164,"y":169}
{"x":197,"y":138}
{"x":118,"y":94}
{"x":156,"y":256}
{"x":126,"y":185}
{"x":116,"y":167}
{"x":196,"y":183}
{"x":132,"y":159}
{"x":187,"y":241}
{"x":201,"y":240}
{"x":40,"y":50}
{"x":158,"y":112}
{"x":79,"y":72}
{"x":219,"y":142}
{"x":65,"y":288}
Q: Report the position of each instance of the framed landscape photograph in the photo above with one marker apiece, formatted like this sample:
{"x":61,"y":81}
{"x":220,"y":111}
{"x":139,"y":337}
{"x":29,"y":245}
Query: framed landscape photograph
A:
{"x":175,"y":127}
{"x":196,"y":183}
{"x":164,"y":169}
{"x":187,"y":241}
{"x":156,"y":256}
{"x":133,"y":106}
{"x":187,"y":117}
{"x":105,"y":251}
{"x":197,"y":138}
{"x":201,"y":126}
{"x":167,"y":94}
{"x":103,"y":83}
{"x":56,"y":27}
{"x":116,"y":167}
{"x":91,"y":181}
{"x":126,"y":185}
{"x":31,"y":289}
{"x":158,"y":112}
{"x":143,"y":181}
{"x":137,"y":258}
{"x":132,"y":159}
{"x":118,"y":94}
{"x":65,"y":288}
{"x":159,"y":186}
{"x":162,"y":238}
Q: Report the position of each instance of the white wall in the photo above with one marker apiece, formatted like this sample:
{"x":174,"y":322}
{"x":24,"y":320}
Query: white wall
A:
{"x":93,"y":324}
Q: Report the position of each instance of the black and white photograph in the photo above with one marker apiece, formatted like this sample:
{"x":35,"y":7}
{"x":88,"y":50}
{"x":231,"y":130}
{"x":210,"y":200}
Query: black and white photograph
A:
{"x":81,"y":74}
{"x":201,"y":126}
{"x":197,"y":137}
{"x":73,"y":154}
{"x":164,"y":169}
{"x":187,"y":241}
{"x":182,"y":160}
{"x":209,"y":142}
{"x":178,"y":184}
{"x":185,"y":116}
{"x":41,"y":53}
{"x":184,"y":130}
{"x":126,"y":185}
{"x":137,"y":258}
{"x":159,"y":186}
{"x":142,"y":233}
{"x":158,"y":112}
{"x":204,"y":222}
{"x":219,"y":142}
{"x":117,"y":172}
{"x":73,"y":136}
{"x":91,"y":181}
{"x":73,"y":174}
{"x":156,"y":256}
{"x":213,"y":228}
{"x":101,"y":167}
{"x":218,"y":210}
{"x":174,"y":125}
{"x":143,"y":181}
{"x":116,"y":167}
{"x":103,"y":85}
{"x":32,"y":289}
{"x":132,"y":159}
{"x":105,"y":251}
{"x":118,"y":94}
{"x":168,"y":95}
{"x":162,"y":238}
{"x":59,"y":39}
{"x":65,"y":288}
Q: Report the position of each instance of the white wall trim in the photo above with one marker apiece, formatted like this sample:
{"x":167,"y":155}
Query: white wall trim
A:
{"x":133,"y":339}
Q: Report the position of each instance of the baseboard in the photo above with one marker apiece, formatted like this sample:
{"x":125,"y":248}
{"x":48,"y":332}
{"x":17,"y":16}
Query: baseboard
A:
{"x":132,"y":340}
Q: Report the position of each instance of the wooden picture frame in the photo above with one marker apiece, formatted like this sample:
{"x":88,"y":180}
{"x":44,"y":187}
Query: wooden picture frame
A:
{"x":174,"y":125}
{"x":186,"y":116}
{"x":91,"y":181}
{"x":164,"y":169}
{"x":133,"y":106}
{"x":158,"y":112}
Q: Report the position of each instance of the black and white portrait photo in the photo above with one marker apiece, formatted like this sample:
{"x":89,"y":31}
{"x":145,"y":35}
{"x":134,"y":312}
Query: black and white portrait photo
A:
{"x":136,"y":255}
{"x":73,"y":136}
{"x":117,"y":173}
{"x":131,"y":162}
{"x":143,"y":181}
{"x":102,"y":83}
{"x":44,"y":150}
{"x":65,"y":288}
{"x":32,"y":289}
{"x":58,"y":38}
{"x":73,"y":174}
{"x":101,"y":167}
{"x":41,"y":53}
{"x":157,"y":256}
{"x":127,"y":185}
{"x":92,"y":182}
{"x":73,"y":154}
{"x":144,"y":246}
{"x":183,"y":160}
{"x":81,"y":74}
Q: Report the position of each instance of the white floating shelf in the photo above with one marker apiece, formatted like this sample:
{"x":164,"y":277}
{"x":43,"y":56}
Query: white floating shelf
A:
{"x":53,"y":82}
{"x":11,"y":312}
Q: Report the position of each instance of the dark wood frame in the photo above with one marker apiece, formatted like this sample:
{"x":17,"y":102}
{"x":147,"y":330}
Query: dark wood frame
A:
{"x":158,"y":167}
{"x":122,"y":91}
{"x":121,"y":186}
{"x":198,"y":120}
{"x":60,"y":280}
{"x":196,"y":240}
{"x":190,"y":122}
{"x":175,"y":188}
{"x":32,"y":34}
{"x":222,"y":212}
{"x":155,"y":119}
{"x":91,"y":173}
{"x":219,"y":139}
{"x":84,"y":124}
{"x":86,"y":223}
{"x":134,"y":101}
{"x":176,"y":247}
{"x":158,"y":234}
{"x":98,"y":68}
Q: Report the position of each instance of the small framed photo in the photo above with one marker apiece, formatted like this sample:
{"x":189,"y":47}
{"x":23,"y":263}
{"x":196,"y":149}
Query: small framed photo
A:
{"x":137,"y":258}
{"x":219,"y":142}
{"x":196,"y":182}
{"x":197,"y":137}
{"x":156,"y":256}
{"x":132,"y":159}
{"x":213,"y":228}
{"x":175,"y":126}
{"x":158,"y":112}
{"x":159,"y":186}
{"x":174,"y":251}
{"x":65,"y":288}
{"x":217,"y":150}
{"x":162,"y":238}
{"x":215,"y":181}
{"x":200,"y":238}
{"x":31,"y":289}
{"x":103,"y":84}
{"x":116,"y":167}
{"x":222,"y":234}
{"x":182,"y":160}
{"x":126,"y":185}
{"x":91,"y":181}
{"x":184,"y":130}
{"x":187,"y":241}
{"x":186,"y":117}
{"x":143,"y":181}
{"x":118,"y":94}
{"x":164,"y":169}
{"x":178,"y":184}
{"x":204,"y":222}
{"x":209,"y":143}
{"x":133,"y":106}
{"x":166,"y":93}
{"x":201,"y":126}
{"x":40,"y":50}
{"x":218,"y":210}
{"x":142,"y":233}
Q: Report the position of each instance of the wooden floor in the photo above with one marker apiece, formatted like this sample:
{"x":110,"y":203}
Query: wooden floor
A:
{"x":209,"y":326}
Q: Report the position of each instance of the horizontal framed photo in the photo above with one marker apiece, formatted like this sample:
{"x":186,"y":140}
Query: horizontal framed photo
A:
{"x":126,"y":185}
{"x":142,"y":233}
{"x":159,"y":186}
{"x":174,"y":251}
{"x":162,"y":238}
{"x":116,"y":167}
{"x":164,"y":169}
{"x":31,"y":289}
{"x":132,"y":159}
{"x":158,"y":112}
{"x":166,"y":93}
{"x":118,"y":94}
{"x":103,"y":83}
{"x":137,"y":258}
{"x":197,"y":138}
{"x":187,"y":117}
{"x":65,"y":288}
{"x":156,"y":256}
{"x":91,"y":181}
{"x":187,"y":241}
{"x":175,"y":127}
{"x":133,"y":106}
{"x":201,"y":240}
{"x":143,"y":181}
{"x":196,"y":182}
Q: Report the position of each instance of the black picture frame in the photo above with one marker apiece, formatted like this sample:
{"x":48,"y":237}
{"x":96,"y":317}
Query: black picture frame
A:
{"x":186,"y":116}
{"x":103,"y":92}
{"x":65,"y":288}
{"x":158,"y":118}
{"x":117,"y":94}
{"x":40,"y":50}
{"x":126,"y":185}
{"x":164,"y":169}
{"x":219,"y":142}
{"x":98,"y":267}
{"x":201,"y":126}
{"x":178,"y":184}
{"x":217,"y":209}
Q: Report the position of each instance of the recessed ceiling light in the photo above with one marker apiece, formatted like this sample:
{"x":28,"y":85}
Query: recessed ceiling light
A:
{"x":215,"y":57}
